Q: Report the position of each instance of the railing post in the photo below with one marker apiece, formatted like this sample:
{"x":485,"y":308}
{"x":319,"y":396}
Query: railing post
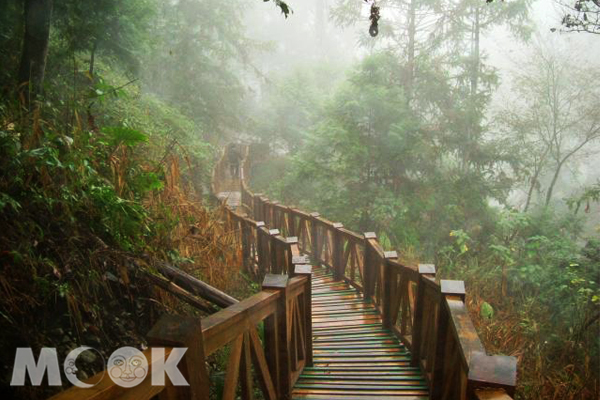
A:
{"x":245,"y":244}
{"x":448,"y":289}
{"x":292,"y":251}
{"x":491,"y":374}
{"x":279,"y":335}
{"x":338,"y":252}
{"x":258,"y":214}
{"x":274,"y":252}
{"x":388,"y":284}
{"x":262,"y":239}
{"x":180,"y":331}
{"x":267,"y":216}
{"x":314,"y":239}
{"x":426,"y":271}
{"x":368,"y":268}
{"x":306,"y":271}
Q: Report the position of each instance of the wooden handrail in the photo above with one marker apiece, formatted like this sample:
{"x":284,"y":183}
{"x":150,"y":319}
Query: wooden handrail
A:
{"x":430,"y":317}
{"x":283,"y":308}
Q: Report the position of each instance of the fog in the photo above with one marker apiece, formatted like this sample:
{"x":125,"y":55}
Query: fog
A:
{"x":463,"y":133}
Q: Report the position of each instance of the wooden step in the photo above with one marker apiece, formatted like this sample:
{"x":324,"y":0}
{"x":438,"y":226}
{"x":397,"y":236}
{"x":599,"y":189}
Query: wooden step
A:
{"x":354,"y":357}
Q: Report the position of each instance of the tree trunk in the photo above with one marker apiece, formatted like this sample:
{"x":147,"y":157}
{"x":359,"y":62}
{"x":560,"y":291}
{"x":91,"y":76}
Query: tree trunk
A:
{"x":534,"y":179}
{"x":93,"y":57}
{"x":37,"y":15}
{"x":475,"y":54}
{"x":553,"y":182}
{"x":410,"y":81}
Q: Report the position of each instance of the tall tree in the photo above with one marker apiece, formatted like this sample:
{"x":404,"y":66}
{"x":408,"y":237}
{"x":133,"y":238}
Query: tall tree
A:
{"x":554,"y":119}
{"x":38,"y":15}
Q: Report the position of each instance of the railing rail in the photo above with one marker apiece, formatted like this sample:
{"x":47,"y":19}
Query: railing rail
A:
{"x":269,"y":333}
{"x":428,"y":315}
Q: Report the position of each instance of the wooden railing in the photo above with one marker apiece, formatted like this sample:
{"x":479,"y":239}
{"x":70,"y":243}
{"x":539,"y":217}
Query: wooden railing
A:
{"x":429,"y":315}
{"x":269,"y":333}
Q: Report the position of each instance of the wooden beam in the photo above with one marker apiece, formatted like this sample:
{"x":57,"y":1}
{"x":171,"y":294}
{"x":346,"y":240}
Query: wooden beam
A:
{"x":196,"y":286}
{"x":180,"y":293}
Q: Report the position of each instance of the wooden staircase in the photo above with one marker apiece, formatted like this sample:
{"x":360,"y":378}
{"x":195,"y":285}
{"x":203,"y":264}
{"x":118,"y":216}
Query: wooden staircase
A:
{"x":354,"y":357}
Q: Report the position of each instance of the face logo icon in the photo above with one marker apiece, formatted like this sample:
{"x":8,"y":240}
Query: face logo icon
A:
{"x":71,"y":369}
{"x":127,"y":367}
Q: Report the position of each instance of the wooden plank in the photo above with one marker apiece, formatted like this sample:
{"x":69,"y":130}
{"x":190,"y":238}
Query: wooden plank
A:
{"x":233,"y":369}
{"x":196,"y":286}
{"x":246,"y":370}
{"x":260,"y":363}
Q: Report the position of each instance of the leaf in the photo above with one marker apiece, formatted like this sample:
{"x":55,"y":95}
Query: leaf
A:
{"x":127,"y":136}
{"x":486,"y":311}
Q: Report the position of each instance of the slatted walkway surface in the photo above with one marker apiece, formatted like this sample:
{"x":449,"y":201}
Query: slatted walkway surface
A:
{"x":354,"y":356}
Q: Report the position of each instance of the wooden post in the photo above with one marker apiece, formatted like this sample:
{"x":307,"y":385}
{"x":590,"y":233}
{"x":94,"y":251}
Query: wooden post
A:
{"x":292,"y":247}
{"x":426,"y":271}
{"x":257,"y":212}
{"x":448,"y":289}
{"x":246,"y":245}
{"x":388,"y":284}
{"x":274,"y":251}
{"x":314,"y":239}
{"x":306,"y":270}
{"x":262,"y":238}
{"x":338,"y":252}
{"x":490,"y":373}
{"x":279,"y":283}
{"x":180,"y":331}
{"x":368,"y":268}
{"x":267,"y":216}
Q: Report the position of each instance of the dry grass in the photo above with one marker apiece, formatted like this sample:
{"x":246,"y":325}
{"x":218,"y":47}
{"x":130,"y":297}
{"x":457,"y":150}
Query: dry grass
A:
{"x":560,"y":372}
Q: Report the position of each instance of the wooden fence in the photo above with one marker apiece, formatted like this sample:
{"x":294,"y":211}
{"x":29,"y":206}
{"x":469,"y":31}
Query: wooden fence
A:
{"x":269,"y":334}
{"x":428,"y":315}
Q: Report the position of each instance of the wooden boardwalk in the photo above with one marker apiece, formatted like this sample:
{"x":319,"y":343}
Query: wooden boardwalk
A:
{"x":354,"y":356}
{"x":381,"y":329}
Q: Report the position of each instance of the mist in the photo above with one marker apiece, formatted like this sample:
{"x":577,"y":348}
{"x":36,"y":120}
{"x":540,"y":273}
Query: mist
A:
{"x":162,"y":158}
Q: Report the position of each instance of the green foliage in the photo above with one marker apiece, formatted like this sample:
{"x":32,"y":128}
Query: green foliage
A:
{"x":372,"y":164}
{"x":487,"y":311}
{"x":113,"y":28}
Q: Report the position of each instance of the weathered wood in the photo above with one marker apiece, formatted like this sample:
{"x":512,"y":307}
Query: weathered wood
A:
{"x":306,"y":271}
{"x":499,"y":372}
{"x":370,"y":270}
{"x":338,"y":252}
{"x":431,"y":318}
{"x":180,"y":293}
{"x":491,"y":394}
{"x":387,"y":297}
{"x":233,"y":369}
{"x":178,"y":331}
{"x":224,"y":326}
{"x":314,"y":237}
{"x":105,"y":388}
{"x":265,"y":377}
{"x":278,"y":284}
{"x":246,"y":369}
{"x":196,"y":286}
{"x":426,"y":271}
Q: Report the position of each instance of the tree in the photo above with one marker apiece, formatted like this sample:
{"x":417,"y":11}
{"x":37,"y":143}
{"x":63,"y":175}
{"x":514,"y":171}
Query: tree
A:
{"x":373,"y":163}
{"x":581,"y":16}
{"x":554,"y":120}
{"x":111,"y":27}
{"x":38,"y":14}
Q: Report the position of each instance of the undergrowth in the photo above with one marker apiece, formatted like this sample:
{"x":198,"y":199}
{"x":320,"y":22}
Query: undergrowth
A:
{"x":95,"y":187}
